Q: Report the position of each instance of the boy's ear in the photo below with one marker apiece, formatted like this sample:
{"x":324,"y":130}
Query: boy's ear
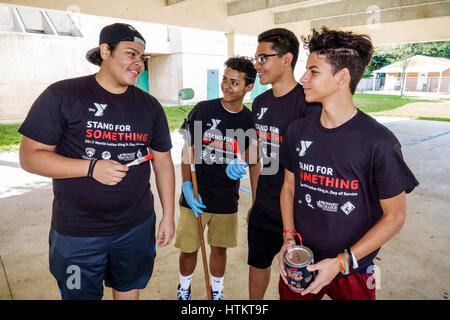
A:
{"x":249,"y":87}
{"x":287,"y":59}
{"x":343,"y":77}
{"x":104,"y":51}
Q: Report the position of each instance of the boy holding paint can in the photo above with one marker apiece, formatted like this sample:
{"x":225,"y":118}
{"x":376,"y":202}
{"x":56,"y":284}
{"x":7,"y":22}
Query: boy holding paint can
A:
{"x":223,"y":127}
{"x":82,"y":132}
{"x":345,"y":177}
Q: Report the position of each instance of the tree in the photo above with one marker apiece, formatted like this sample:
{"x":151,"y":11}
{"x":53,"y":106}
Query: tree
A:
{"x":402,"y":53}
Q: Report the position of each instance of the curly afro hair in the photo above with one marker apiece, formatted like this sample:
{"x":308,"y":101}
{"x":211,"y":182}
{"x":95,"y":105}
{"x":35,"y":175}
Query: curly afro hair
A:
{"x":342,"y":50}
{"x":242,"y":64}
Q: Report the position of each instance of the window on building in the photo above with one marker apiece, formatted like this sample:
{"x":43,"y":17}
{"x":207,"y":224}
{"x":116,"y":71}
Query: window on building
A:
{"x":33,"y":20}
{"x":64,"y":24}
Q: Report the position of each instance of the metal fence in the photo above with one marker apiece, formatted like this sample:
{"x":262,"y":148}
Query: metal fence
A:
{"x":437,"y":85}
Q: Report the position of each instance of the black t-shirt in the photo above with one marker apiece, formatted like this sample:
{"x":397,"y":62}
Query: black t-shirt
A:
{"x":85,"y":121}
{"x":340,"y":176}
{"x":219,"y":193}
{"x":272,"y":116}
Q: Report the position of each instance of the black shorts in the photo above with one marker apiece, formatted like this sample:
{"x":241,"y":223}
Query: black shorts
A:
{"x":264,"y":242}
{"x":124,"y":261}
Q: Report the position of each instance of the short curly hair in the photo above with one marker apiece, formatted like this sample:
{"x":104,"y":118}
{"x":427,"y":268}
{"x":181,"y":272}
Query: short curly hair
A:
{"x":283,"y":41}
{"x":242,"y":64}
{"x":342,"y":50}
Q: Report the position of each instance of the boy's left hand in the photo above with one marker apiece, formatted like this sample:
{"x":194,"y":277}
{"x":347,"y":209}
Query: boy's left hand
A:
{"x":235,"y":169}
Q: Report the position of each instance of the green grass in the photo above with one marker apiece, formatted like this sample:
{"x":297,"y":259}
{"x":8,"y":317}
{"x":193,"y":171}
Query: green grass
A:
{"x":9,"y":137}
{"x":380,"y":102}
{"x":432,"y":118}
{"x":175,"y":116}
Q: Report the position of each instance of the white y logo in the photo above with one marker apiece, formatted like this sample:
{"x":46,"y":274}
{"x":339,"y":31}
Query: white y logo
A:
{"x":261,"y":114}
{"x":100,"y":109}
{"x":305,"y":145}
{"x":215,"y":123}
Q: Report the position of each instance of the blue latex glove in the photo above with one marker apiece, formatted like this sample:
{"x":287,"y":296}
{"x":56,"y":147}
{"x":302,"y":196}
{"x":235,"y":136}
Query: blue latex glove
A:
{"x":234,"y":169}
{"x":188,"y":192}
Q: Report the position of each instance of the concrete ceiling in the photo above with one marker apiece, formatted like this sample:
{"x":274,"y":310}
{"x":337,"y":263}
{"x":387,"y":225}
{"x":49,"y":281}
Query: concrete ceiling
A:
{"x":386,"y":21}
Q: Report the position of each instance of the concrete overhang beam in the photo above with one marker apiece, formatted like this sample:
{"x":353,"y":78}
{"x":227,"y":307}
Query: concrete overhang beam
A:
{"x":352,"y":13}
{"x":172,"y":2}
{"x":246,"y":6}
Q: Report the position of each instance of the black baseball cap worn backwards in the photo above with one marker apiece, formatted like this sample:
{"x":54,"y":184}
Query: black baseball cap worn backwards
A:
{"x":114,"y":33}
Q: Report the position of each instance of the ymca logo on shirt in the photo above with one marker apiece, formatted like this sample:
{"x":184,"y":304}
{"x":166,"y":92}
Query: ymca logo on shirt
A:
{"x":215,"y":123}
{"x":99,"y":108}
{"x":304,"y":146}
{"x":261,"y":114}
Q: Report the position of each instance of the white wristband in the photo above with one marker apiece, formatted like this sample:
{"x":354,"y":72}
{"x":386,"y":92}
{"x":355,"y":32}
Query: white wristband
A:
{"x":355,"y":262}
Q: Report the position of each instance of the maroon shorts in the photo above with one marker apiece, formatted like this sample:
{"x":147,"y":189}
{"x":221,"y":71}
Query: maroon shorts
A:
{"x":357,"y":286}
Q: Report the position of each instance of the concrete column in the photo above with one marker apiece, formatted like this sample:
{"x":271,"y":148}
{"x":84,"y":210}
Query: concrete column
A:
{"x":230,"y":44}
{"x":374,"y":81}
{"x":439,"y":84}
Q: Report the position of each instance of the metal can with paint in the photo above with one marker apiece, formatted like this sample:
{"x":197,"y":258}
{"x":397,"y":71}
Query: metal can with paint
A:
{"x":296,"y":260}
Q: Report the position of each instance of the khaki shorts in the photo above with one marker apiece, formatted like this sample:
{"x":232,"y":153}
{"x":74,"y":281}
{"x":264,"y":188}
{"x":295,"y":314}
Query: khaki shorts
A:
{"x":222,"y":230}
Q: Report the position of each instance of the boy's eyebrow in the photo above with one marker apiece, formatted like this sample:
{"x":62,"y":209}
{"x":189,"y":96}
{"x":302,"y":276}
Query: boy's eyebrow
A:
{"x":137,"y":51}
{"x":311,"y":67}
{"x":231,"y":78}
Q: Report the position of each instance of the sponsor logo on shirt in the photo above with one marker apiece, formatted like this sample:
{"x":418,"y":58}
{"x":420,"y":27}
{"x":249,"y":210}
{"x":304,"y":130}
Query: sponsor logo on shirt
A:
{"x":106,"y":155}
{"x":261,"y":114}
{"x":99,"y":108}
{"x":126,"y":156}
{"x":327,"y":206}
{"x":309,"y":200}
{"x":348,"y":207}
{"x":90,"y":152}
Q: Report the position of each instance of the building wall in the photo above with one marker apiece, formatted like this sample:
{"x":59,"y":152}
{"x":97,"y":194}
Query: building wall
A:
{"x":29,"y":63}
{"x":180,"y":59}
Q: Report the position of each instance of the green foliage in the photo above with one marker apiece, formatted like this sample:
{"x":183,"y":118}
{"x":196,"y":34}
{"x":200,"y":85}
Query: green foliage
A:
{"x":386,"y":55}
{"x":9,"y":137}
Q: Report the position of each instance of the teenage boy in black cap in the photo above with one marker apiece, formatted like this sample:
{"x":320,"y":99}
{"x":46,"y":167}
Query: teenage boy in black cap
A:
{"x":81,"y":132}
{"x":345,"y":177}
{"x":272,"y":111}
{"x":218,"y":195}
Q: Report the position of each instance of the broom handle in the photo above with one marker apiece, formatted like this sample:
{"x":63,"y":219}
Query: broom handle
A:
{"x":200,"y":227}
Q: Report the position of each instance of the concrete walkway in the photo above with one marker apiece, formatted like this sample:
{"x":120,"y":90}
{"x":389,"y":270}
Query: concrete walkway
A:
{"x":413,"y":265}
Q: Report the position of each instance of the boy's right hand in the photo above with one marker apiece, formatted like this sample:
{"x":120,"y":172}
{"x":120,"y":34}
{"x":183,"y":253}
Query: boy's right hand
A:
{"x":287,"y":245}
{"x":109,"y":172}
{"x":194,"y":204}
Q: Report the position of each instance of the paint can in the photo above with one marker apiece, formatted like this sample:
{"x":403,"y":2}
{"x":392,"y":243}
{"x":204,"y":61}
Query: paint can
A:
{"x":296,"y":260}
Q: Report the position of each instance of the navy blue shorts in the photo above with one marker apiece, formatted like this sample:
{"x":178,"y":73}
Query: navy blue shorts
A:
{"x":265,"y":239}
{"x":124,"y":261}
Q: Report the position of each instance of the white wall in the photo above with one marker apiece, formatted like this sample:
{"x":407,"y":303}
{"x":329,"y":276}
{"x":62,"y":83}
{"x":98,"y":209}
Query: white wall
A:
{"x":29,"y":63}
